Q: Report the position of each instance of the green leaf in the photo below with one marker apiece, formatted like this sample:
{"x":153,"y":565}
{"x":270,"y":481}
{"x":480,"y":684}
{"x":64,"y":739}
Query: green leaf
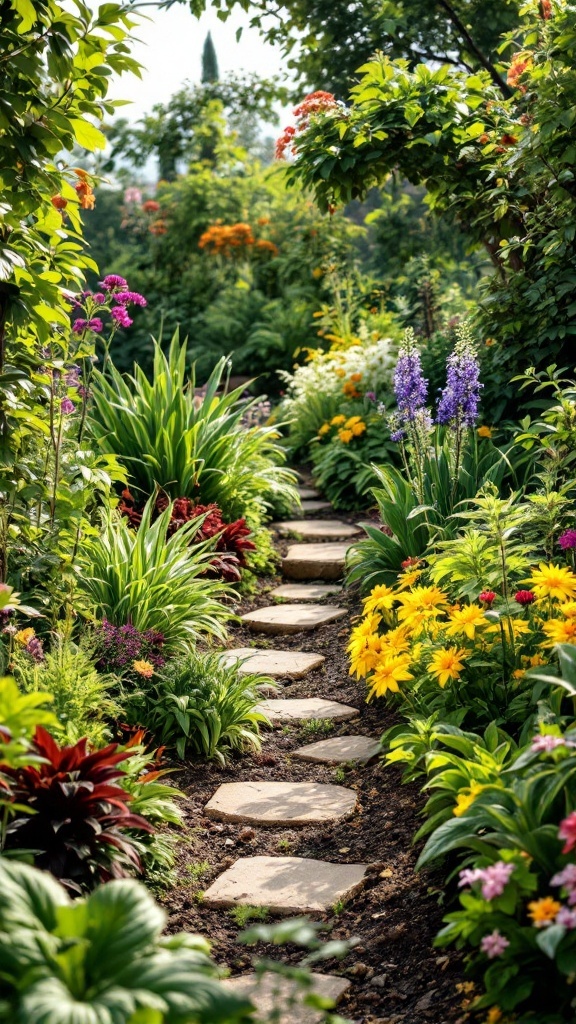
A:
{"x":25,"y":9}
{"x":87,"y":135}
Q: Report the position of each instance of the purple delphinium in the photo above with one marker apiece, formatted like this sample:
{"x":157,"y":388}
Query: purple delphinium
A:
{"x":117,"y":647}
{"x":459,"y":400}
{"x":410,"y":385}
{"x":567,"y":540}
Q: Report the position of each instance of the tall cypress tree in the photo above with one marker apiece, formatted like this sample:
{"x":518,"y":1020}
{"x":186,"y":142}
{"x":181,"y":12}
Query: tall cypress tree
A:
{"x":209,"y":61}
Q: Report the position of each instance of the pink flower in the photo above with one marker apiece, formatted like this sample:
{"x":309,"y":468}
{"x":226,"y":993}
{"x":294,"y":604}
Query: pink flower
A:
{"x":132,"y":195}
{"x":119,"y":314}
{"x":566,"y":917}
{"x":567,"y":831}
{"x":567,"y":540}
{"x":469,"y":876}
{"x":67,"y":407}
{"x":496,"y":878}
{"x":524,"y":597}
{"x":487,"y":597}
{"x":566,"y":877}
{"x":113,"y":281}
{"x":99,"y":298}
{"x":124,"y":298}
{"x":494,"y":944}
{"x":544,"y":744}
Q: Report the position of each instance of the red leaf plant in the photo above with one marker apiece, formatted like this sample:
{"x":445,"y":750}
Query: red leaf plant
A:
{"x":232,"y":543}
{"x":70,"y":814}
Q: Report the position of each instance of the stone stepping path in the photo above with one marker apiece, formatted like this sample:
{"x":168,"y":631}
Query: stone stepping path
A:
{"x":340,"y":750}
{"x":283,"y":619}
{"x":318,"y":529}
{"x":272,"y":994}
{"x":278,"y":664}
{"x":314,"y":505}
{"x":307,"y":493}
{"x":285,"y":885}
{"x":315,"y":561}
{"x":305,"y":591}
{"x":304,"y":709}
{"x":281,"y":803}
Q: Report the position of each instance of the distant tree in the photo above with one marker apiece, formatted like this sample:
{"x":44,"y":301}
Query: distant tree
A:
{"x":210,"y":71}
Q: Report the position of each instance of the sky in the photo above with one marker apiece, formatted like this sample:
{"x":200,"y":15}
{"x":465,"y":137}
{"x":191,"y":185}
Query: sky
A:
{"x":170,"y":48}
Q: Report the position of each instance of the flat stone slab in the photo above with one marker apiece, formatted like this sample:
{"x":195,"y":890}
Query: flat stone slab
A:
{"x":300,"y":710}
{"x":280,"y":803}
{"x":305,"y":591}
{"x":339,"y":749}
{"x":315,"y":561}
{"x":278,"y":664}
{"x":286,"y":885}
{"x":318,"y":529}
{"x":314,"y":505}
{"x":307,"y":493}
{"x":283,"y":997}
{"x":282,"y":619}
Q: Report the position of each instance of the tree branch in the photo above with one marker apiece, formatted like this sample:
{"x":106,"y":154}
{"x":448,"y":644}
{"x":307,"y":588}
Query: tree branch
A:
{"x":482,"y":59}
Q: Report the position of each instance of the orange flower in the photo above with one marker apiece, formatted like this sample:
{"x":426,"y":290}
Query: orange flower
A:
{"x":143,"y":668}
{"x":59,"y":203}
{"x":150,"y":206}
{"x":543,"y":911}
{"x":85,"y":195}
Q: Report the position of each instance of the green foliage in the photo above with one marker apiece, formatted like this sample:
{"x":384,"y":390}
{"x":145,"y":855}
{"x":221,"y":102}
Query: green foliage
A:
{"x":20,"y":713}
{"x":153,"y":581}
{"x":344,"y":473}
{"x":244,"y":913}
{"x":78,"y":691}
{"x":201,"y":707}
{"x":190,"y":446}
{"x":102,"y":957}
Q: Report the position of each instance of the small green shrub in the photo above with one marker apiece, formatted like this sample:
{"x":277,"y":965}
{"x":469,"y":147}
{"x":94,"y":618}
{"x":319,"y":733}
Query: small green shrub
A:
{"x":201,"y":707}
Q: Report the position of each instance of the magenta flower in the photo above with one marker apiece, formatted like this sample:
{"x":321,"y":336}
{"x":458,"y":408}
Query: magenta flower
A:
{"x":119,"y":314}
{"x":567,"y":831}
{"x":67,"y":407}
{"x":99,"y":298}
{"x":566,"y":877}
{"x":494,"y":944}
{"x":79,"y":325}
{"x":95,"y":324}
{"x":113,"y":281}
{"x":487,"y":597}
{"x":566,"y":917}
{"x":125,"y":298}
{"x":524,"y":597}
{"x":567,"y":540}
{"x":545,"y":744}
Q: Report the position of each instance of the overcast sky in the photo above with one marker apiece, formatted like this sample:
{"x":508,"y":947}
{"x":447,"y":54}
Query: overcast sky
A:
{"x":170,"y":48}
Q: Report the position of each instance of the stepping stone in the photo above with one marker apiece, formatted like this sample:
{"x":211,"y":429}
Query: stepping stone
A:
{"x":314,"y":505}
{"x":282,"y":619}
{"x":301,"y":710}
{"x":307,"y":493}
{"x":285,"y":885}
{"x":339,"y":749}
{"x":319,"y":529}
{"x":280,"y":803}
{"x":278,"y":664}
{"x":272,"y":994}
{"x":315,"y":561}
{"x":305,"y":591}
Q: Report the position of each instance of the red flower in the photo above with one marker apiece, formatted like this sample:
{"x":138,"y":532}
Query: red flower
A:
{"x":567,"y":831}
{"x":509,"y":140}
{"x":487,"y":597}
{"x":150,"y":206}
{"x":545,"y":9}
{"x":524,"y":597}
{"x":59,"y":203}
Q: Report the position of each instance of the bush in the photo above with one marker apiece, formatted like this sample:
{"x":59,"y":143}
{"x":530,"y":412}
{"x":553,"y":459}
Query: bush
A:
{"x":201,"y":707}
{"x":101,"y":958}
{"x":154,"y":582}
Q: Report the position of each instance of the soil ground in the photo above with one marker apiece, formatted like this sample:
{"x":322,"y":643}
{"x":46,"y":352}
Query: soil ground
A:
{"x":397,"y":976}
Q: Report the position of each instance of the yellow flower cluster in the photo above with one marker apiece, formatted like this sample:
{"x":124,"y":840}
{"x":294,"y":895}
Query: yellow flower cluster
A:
{"x":348,"y":429}
{"x":412,"y":631}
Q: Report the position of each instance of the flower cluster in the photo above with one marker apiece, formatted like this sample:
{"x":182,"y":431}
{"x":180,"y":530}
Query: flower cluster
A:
{"x":30,"y":643}
{"x":315,"y":103}
{"x":459,"y":399}
{"x":231,"y":240}
{"x":114,"y":299}
{"x":120,"y":648}
{"x":347,"y":428}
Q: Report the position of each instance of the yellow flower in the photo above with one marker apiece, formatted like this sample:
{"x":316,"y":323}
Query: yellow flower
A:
{"x":543,"y":911}
{"x":324,"y":429}
{"x":466,"y":798}
{"x":467,"y":620}
{"x":421,"y":605}
{"x":534,"y":660}
{"x":484,"y":431}
{"x":396,"y":642}
{"x":337,"y":421}
{"x":143,"y":668}
{"x":365,"y":656}
{"x":340,"y":373}
{"x":381,"y":598}
{"x":358,"y":429}
{"x":494,"y":1015}
{"x":447,"y":664}
{"x":23,"y":636}
{"x":352,"y":420}
{"x":553,"y":581}
{"x":568,"y":609}
{"x":518,"y":673}
{"x":559,"y":631}
{"x":408,"y":578}
{"x":345,"y":435}
{"x":387,"y":675}
{"x":355,"y":377}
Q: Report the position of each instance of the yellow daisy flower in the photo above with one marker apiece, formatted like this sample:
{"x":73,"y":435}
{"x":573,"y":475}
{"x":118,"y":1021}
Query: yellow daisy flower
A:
{"x":543,"y":911}
{"x":395,"y":642}
{"x":387,"y":676}
{"x":337,"y":421}
{"x":553,"y":581}
{"x":365,"y":658}
{"x":559,"y":631}
{"x":467,"y":620}
{"x":381,"y":598}
{"x":352,"y":420}
{"x":421,"y":605}
{"x":568,"y":609}
{"x":358,"y":429}
{"x":324,"y":429}
{"x":484,"y":431}
{"x":408,"y":579}
{"x":345,"y":435}
{"x":534,"y":661}
{"x":143,"y":668}
{"x":23,"y":636}
{"x":447,"y":664}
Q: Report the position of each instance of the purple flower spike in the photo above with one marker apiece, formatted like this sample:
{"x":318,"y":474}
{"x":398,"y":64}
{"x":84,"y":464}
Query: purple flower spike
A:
{"x":410,"y":386}
{"x":459,"y":399}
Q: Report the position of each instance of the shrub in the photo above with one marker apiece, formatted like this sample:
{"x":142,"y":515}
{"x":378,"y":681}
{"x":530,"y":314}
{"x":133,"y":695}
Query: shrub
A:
{"x":201,"y":706}
{"x":191,"y":445}
{"x":154,"y":582}
{"x":101,"y":958}
{"x":344,"y":453}
{"x":68,"y":810}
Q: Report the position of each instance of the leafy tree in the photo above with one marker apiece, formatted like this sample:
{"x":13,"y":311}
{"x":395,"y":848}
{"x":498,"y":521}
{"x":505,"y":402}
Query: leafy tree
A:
{"x":326,"y":41}
{"x":210,"y":71}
